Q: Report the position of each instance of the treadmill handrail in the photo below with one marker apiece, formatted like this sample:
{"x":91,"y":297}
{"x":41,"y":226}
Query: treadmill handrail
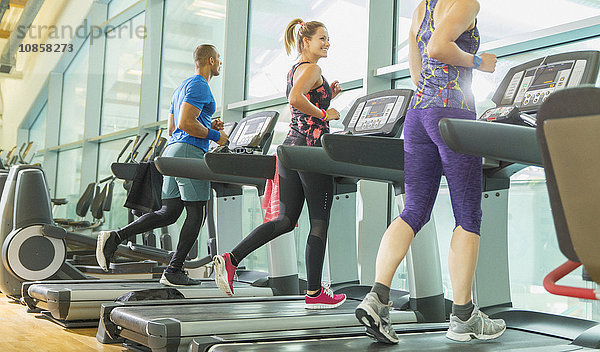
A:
{"x":197,"y":169}
{"x":315,"y":159}
{"x":383,"y":152}
{"x":499,"y":141}
{"x":569,"y":291}
{"x":243,"y":165}
{"x":124,"y":171}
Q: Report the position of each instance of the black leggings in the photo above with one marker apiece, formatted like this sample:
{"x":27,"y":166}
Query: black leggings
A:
{"x":294,"y":188}
{"x":167,"y":215}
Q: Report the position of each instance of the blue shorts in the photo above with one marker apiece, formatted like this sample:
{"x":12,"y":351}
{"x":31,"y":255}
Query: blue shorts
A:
{"x":426,"y":156}
{"x":187,"y":189}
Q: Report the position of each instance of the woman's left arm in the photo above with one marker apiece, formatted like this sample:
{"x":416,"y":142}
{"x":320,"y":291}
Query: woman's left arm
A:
{"x":456,"y":20}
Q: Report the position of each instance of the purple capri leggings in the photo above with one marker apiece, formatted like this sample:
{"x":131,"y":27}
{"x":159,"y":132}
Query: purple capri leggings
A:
{"x":426,"y":156}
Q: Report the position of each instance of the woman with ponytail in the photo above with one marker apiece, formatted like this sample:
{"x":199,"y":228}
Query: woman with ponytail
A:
{"x":309,"y":95}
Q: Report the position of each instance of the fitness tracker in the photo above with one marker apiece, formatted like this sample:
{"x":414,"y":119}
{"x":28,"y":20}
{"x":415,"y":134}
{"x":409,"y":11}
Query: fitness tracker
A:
{"x":476,"y":61}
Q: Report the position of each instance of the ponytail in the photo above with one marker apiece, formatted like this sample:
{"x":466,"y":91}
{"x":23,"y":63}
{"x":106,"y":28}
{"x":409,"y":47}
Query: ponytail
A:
{"x":307,"y":30}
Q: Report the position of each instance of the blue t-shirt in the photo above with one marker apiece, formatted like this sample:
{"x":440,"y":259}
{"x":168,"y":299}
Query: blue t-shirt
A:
{"x":195,"y":91}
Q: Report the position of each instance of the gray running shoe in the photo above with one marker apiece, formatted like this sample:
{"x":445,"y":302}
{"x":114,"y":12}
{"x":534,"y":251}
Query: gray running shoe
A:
{"x":178,"y":278}
{"x":479,"y":326}
{"x":376,"y":317}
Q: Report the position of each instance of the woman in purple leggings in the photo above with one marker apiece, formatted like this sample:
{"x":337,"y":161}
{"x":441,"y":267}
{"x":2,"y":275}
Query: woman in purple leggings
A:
{"x":442,"y":55}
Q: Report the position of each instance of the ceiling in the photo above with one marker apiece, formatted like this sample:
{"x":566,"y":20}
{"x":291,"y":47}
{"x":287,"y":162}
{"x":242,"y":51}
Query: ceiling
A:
{"x":15,"y":15}
{"x":10,"y":12}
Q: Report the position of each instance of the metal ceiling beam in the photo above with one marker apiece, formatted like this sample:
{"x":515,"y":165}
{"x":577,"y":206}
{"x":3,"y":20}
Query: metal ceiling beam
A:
{"x":7,"y":59}
{"x":18,"y":3}
{"x":4,"y":4}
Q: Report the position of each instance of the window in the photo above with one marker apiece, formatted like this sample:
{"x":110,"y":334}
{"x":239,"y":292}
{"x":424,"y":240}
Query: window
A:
{"x":189,"y":23}
{"x":68,"y":180}
{"x":495,"y":23}
{"x":122,"y":76}
{"x":268,"y":63}
{"x":72,"y":115}
{"x":37,"y":131}
{"x":117,"y":6}
{"x":107,"y":154}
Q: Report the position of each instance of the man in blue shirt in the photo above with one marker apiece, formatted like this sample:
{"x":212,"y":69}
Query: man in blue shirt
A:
{"x":191,"y":131}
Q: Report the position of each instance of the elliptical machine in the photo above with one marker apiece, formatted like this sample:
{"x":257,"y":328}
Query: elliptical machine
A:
{"x":32,"y":247}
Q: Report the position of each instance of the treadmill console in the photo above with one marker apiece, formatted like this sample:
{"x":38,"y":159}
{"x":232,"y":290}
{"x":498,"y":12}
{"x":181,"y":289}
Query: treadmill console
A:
{"x":528,"y":85}
{"x":254,"y":131}
{"x":381,"y":113}
{"x":228,"y":128}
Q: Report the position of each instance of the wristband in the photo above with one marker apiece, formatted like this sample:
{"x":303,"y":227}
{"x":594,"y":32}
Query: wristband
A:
{"x":324,"y":118}
{"x":213,"y":135}
{"x":476,"y":61}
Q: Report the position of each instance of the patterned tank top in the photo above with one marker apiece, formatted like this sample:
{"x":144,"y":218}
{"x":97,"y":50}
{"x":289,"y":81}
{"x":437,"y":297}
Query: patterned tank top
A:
{"x":440,"y":84}
{"x":306,"y":130}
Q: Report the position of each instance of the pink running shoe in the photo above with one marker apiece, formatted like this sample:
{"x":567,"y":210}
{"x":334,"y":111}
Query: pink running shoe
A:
{"x":325,"y":300}
{"x":224,"y":273}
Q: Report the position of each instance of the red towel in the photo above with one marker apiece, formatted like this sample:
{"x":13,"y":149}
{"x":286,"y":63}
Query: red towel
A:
{"x":270,"y":201}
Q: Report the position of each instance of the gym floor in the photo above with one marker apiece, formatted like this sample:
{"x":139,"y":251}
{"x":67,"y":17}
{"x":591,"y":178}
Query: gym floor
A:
{"x":23,"y":332}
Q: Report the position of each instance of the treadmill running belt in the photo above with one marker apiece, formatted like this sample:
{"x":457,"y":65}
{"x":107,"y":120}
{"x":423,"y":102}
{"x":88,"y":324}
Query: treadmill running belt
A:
{"x":512,"y":340}
{"x":223,"y":318}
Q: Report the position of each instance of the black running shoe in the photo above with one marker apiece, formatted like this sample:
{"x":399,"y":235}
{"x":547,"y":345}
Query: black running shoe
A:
{"x":107,"y":245}
{"x":178,"y":278}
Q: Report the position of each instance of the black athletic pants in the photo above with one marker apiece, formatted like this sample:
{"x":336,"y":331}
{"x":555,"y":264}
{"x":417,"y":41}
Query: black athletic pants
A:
{"x":167,"y":215}
{"x":294,"y":188}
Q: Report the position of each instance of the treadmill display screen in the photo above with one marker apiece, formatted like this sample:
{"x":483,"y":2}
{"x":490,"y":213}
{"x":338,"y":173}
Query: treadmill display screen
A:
{"x":547,"y":76}
{"x":541,"y":81}
{"x":249,"y":131}
{"x":252,"y":127}
{"x":376,"y":113}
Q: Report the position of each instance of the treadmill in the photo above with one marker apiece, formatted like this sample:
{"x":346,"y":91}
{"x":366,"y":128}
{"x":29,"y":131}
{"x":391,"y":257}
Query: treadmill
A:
{"x":283,"y":272}
{"x":76,"y":303}
{"x":548,"y":333}
{"x":171,"y":326}
{"x":507,"y":149}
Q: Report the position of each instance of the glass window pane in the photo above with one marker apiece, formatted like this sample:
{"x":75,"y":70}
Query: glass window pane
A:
{"x":37,"y":131}
{"x":268,"y":62}
{"x":68,"y":179}
{"x":189,"y":23}
{"x":72,"y":115}
{"x":496,"y":23}
{"x":122,"y":77}
{"x":107,"y":154}
{"x":37,"y":159}
{"x":117,"y":6}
